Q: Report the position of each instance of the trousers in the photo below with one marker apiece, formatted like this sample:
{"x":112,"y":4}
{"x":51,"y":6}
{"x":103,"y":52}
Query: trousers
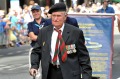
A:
{"x":54,"y":72}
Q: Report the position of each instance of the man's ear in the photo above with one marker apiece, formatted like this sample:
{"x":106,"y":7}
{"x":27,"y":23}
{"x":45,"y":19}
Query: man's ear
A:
{"x":66,"y":16}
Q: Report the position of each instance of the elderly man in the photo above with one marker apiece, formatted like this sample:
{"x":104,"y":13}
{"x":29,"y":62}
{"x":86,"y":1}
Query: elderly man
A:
{"x":61,"y":49}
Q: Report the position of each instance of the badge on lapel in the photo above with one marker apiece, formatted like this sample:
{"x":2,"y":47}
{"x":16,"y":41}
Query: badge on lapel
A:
{"x":43,"y":43}
{"x":71,"y":48}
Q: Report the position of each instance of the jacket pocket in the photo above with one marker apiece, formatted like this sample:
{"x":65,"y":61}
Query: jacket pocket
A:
{"x":75,"y":73}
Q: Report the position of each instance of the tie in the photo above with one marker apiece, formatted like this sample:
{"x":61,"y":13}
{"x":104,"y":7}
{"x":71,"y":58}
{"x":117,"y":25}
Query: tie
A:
{"x":60,"y":47}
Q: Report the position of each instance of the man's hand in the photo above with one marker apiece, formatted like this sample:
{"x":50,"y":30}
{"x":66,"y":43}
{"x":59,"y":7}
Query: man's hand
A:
{"x":33,"y":71}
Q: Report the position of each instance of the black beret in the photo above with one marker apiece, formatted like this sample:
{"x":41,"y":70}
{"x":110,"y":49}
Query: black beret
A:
{"x":57,"y":7}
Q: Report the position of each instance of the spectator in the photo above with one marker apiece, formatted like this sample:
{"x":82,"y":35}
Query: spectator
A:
{"x":106,"y":8}
{"x":46,"y":14}
{"x":31,"y":3}
{"x":2,"y":30}
{"x":38,"y":23}
{"x":15,"y":27}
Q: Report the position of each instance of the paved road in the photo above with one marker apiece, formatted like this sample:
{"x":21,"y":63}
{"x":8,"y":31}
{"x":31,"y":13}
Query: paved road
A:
{"x":14,"y":63}
{"x":116,"y":66}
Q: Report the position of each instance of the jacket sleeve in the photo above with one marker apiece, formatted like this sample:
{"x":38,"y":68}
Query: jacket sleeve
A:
{"x":36,"y":52}
{"x":83,"y":56}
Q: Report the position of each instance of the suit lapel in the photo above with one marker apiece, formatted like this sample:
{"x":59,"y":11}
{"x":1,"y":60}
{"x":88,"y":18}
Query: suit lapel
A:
{"x":66,"y":32}
{"x":49,"y":35}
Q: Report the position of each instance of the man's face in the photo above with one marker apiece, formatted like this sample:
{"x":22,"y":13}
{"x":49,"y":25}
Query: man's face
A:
{"x":105,"y":3}
{"x":36,"y":14}
{"x":58,"y":18}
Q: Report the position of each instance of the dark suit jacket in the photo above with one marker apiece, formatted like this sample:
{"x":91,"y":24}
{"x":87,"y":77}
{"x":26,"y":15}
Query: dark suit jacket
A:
{"x":75,"y":64}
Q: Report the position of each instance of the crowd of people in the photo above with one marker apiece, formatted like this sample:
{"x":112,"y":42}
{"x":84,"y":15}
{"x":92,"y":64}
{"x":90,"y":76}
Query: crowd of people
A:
{"x":14,"y":24}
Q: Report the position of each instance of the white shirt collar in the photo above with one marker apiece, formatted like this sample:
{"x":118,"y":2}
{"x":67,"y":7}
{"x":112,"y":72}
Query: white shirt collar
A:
{"x":61,"y":27}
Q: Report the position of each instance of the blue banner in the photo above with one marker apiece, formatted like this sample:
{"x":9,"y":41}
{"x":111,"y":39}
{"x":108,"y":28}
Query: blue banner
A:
{"x":98,"y":32}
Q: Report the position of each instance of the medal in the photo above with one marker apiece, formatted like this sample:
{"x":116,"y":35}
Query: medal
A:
{"x":74,"y":50}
